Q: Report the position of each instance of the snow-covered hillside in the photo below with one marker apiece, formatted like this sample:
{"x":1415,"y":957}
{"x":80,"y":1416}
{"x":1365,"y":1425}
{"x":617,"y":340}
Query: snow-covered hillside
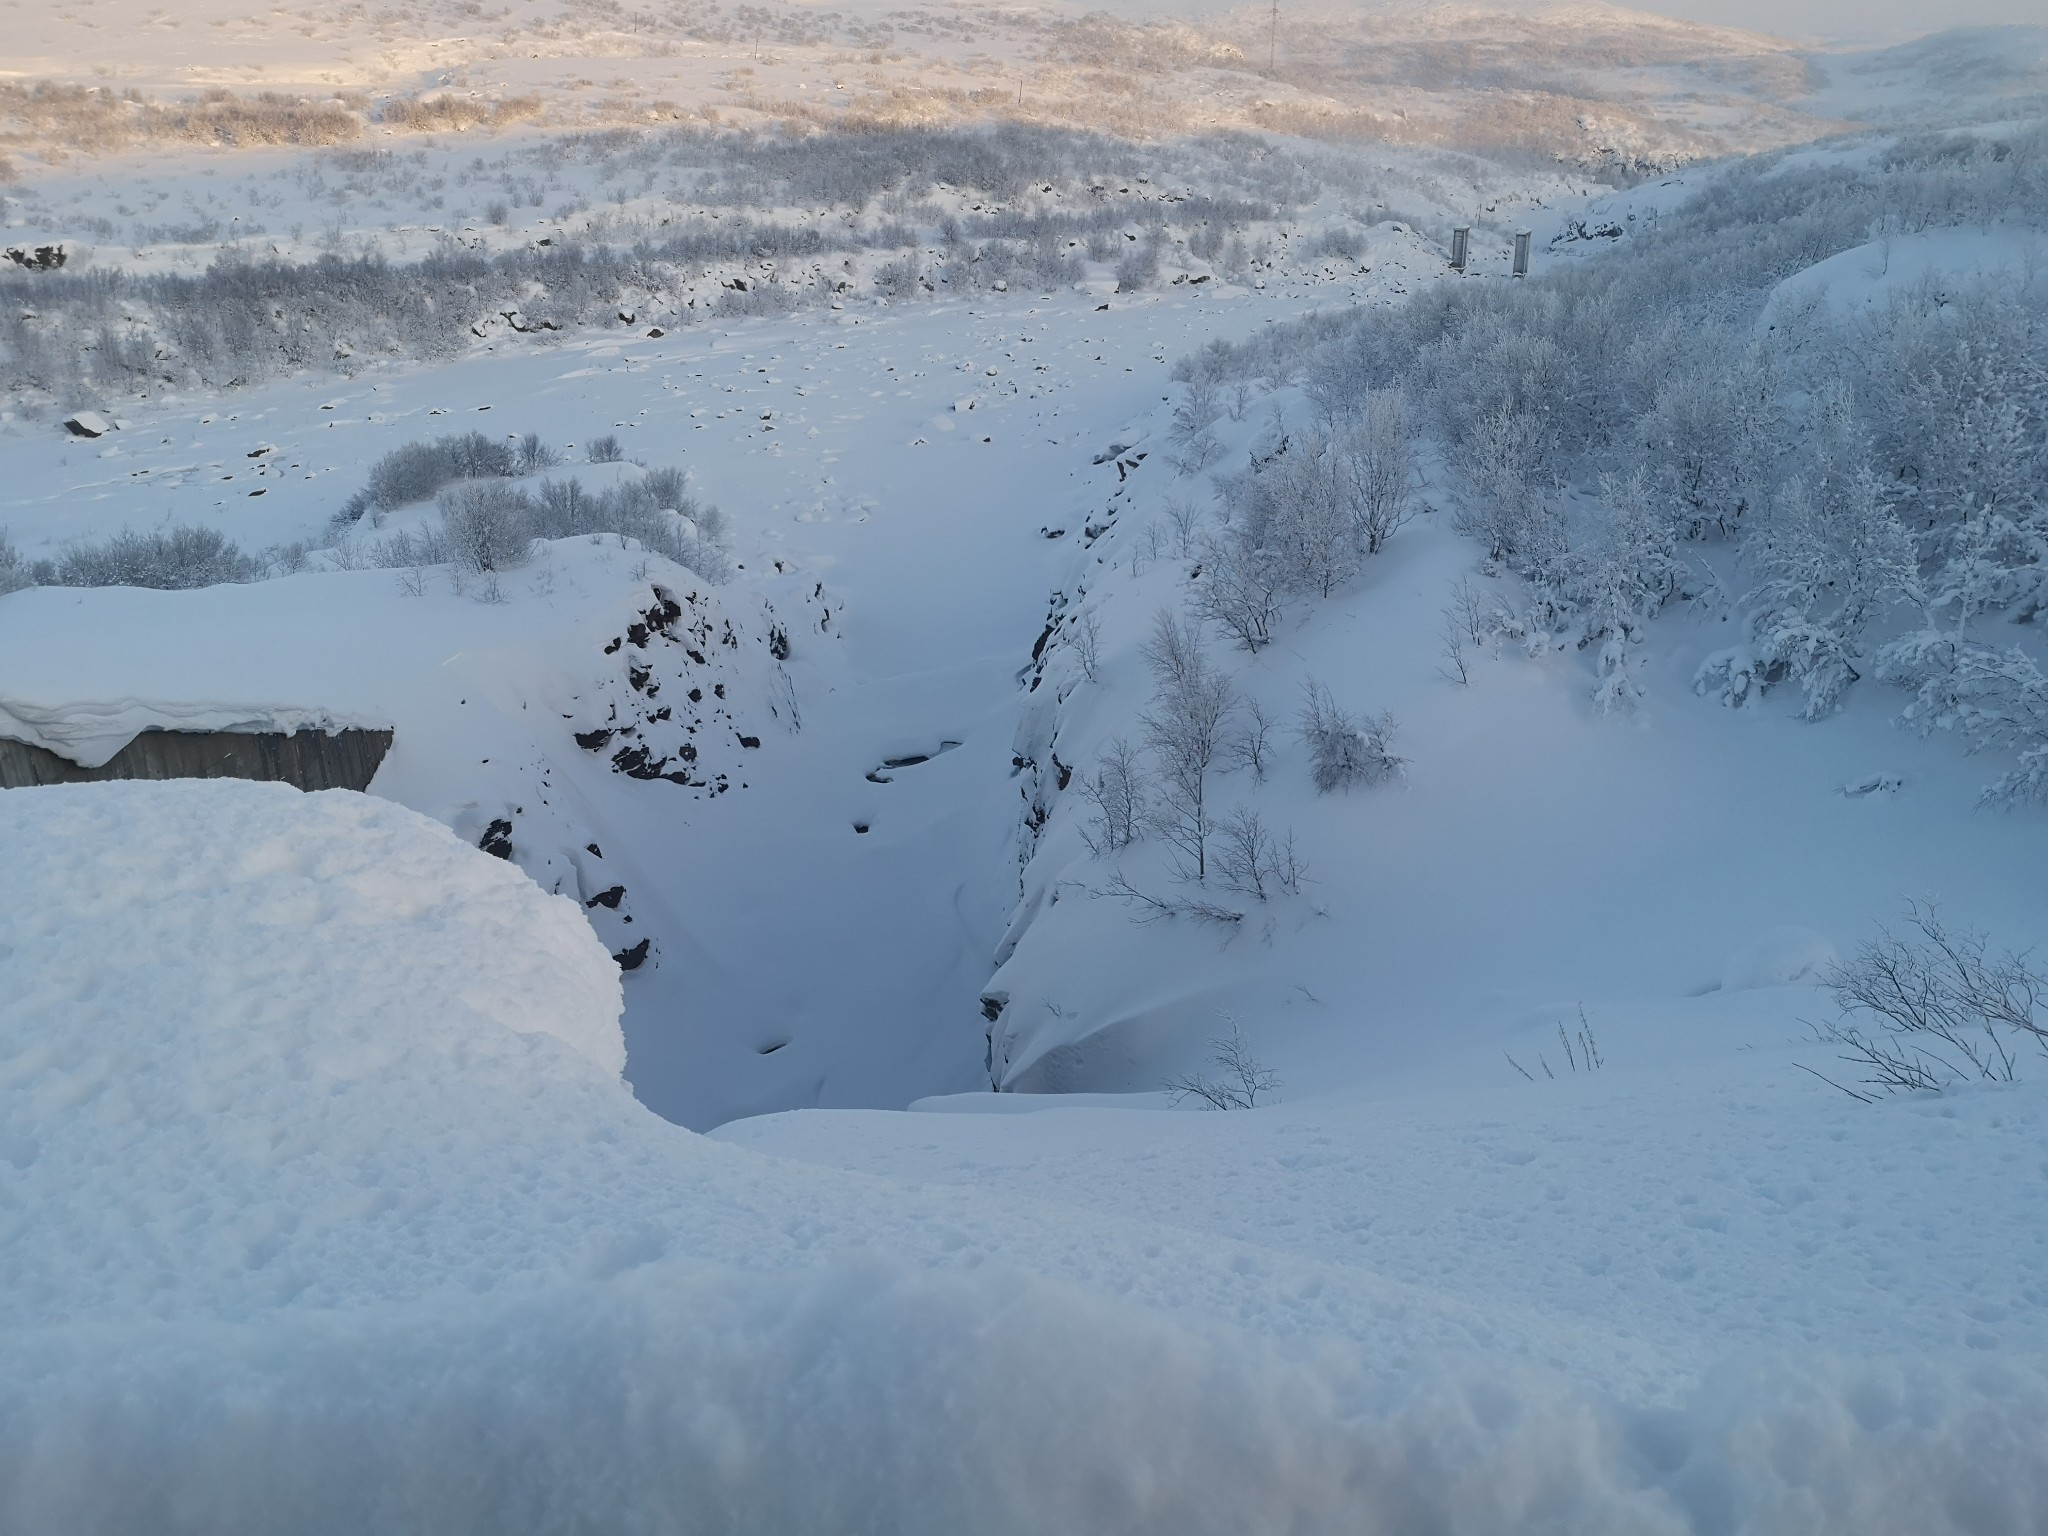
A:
{"x":973,"y":646}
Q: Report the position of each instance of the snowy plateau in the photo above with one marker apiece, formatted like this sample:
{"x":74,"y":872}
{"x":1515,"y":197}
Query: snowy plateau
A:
{"x":1060,"y":837}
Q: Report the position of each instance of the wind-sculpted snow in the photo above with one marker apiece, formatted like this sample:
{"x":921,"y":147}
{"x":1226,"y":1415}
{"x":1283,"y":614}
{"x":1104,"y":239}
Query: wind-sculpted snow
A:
{"x":327,"y":1211}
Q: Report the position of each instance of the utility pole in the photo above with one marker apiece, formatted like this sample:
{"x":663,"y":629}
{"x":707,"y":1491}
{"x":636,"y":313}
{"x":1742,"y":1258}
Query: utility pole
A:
{"x":1273,"y":38}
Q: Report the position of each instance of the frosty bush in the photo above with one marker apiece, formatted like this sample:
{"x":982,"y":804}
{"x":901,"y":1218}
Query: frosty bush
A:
{"x":1138,"y":268}
{"x":1253,"y":860}
{"x":654,"y":508}
{"x":1940,"y":1009}
{"x":1832,"y":558}
{"x":1306,"y":519}
{"x":604,"y":450}
{"x":1240,"y":1079}
{"x":486,"y":528}
{"x":15,"y":571}
{"x":1345,"y":749}
{"x":416,"y":471}
{"x":168,"y":559}
{"x":1992,"y":698}
{"x":532,"y":455}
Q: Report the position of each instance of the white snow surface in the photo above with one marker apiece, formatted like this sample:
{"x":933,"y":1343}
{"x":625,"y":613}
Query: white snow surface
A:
{"x":327,"y":1211}
{"x":324,"y":1206}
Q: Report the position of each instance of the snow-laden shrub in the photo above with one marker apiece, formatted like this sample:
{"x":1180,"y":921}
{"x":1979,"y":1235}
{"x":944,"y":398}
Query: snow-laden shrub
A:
{"x":1305,"y":519}
{"x":1138,"y":267}
{"x":604,"y":450}
{"x":1346,"y":749}
{"x":416,"y":471}
{"x":168,"y":559}
{"x":1991,"y":698}
{"x":486,"y":528}
{"x":15,"y":570}
{"x":654,"y":508}
{"x":1255,"y":861}
{"x":531,"y":455}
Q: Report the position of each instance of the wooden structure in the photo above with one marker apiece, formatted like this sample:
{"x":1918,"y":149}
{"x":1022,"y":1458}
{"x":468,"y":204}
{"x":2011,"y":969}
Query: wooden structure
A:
{"x":345,"y":759}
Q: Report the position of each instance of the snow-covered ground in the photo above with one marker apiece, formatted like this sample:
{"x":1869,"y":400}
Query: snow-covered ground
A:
{"x":348,"y":1184}
{"x":444,"y":1274}
{"x":891,"y":477}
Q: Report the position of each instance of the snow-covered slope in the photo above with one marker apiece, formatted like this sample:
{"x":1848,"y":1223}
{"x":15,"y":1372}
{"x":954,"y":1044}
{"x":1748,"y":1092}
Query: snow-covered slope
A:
{"x":601,"y":691}
{"x":327,"y":1211}
{"x":891,"y":477}
{"x":1536,"y":856}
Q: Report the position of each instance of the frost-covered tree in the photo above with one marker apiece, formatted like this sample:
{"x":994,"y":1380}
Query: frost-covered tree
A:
{"x":1620,"y":579}
{"x":1710,"y":435}
{"x":1507,"y":506}
{"x":1241,"y":588}
{"x":1195,"y":447}
{"x":1379,"y":457}
{"x":1118,"y":792}
{"x":1302,"y":512}
{"x":1831,"y":559}
{"x":1992,"y":698}
{"x":1185,"y":727}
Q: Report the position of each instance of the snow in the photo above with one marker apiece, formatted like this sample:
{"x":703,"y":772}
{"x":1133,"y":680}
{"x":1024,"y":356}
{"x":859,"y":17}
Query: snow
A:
{"x":1538,"y":855}
{"x":911,"y":580}
{"x":1779,"y":957}
{"x":348,"y":1183}
{"x":328,"y":1211}
{"x":1868,"y":276}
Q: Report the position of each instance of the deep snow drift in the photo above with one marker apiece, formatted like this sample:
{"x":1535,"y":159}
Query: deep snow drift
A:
{"x":446,"y":1275}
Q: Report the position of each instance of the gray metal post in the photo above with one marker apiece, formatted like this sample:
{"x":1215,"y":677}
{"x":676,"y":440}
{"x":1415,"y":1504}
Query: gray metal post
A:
{"x":1461,"y":241}
{"x":1521,"y":253}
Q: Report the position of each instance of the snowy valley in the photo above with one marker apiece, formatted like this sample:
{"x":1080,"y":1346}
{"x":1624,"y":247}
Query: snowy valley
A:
{"x":1061,"y":836}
